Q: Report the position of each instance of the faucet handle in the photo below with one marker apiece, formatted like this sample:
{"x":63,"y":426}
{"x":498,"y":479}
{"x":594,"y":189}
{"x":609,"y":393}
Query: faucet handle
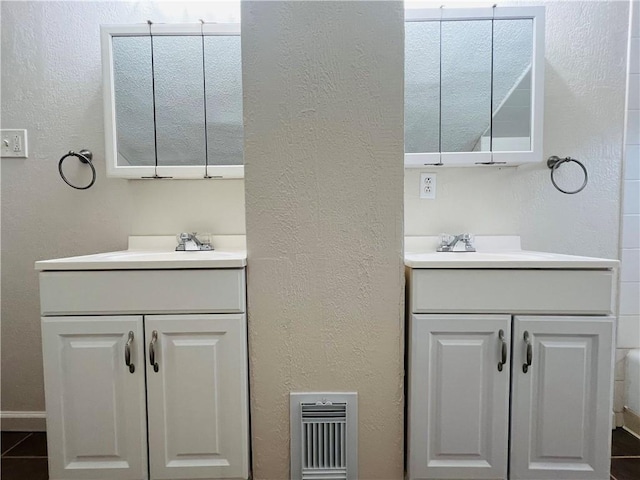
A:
{"x":445,"y":239}
{"x":468,"y":239}
{"x":205,"y":241}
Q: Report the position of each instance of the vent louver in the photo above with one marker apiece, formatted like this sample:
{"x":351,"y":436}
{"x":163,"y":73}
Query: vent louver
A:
{"x":323,"y":436}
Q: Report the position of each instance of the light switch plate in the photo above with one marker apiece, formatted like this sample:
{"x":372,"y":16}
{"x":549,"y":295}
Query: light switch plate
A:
{"x":428,"y":186}
{"x":13,"y":143}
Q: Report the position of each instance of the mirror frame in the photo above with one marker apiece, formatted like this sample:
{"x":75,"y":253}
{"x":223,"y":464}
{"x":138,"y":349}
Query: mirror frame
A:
{"x":107,"y":32}
{"x":501,"y":158}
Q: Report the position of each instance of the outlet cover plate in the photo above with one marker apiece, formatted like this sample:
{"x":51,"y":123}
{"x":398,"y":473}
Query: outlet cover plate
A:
{"x":13,"y":143}
{"x":428,"y":186}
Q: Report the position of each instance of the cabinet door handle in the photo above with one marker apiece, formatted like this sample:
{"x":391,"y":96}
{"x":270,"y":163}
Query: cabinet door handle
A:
{"x":152,"y":351}
{"x":127,"y":353}
{"x":527,"y":364}
{"x":503,"y":351}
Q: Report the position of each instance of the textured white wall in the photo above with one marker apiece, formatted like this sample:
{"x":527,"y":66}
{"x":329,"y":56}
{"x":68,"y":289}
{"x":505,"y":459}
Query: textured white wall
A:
{"x":584,"y":110}
{"x":51,"y":85}
{"x":323,"y":104}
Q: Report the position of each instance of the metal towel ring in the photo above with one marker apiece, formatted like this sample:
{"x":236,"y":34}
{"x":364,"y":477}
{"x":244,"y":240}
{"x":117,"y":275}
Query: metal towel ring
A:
{"x":85,"y":156}
{"x":554,"y":162}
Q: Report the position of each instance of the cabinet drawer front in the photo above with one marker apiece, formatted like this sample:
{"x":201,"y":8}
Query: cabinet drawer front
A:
{"x":96,"y":417}
{"x":511,"y":291}
{"x":137,"y":291}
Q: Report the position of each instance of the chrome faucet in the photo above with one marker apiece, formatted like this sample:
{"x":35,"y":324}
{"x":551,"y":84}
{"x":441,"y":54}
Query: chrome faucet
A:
{"x":448,"y":242}
{"x":189,"y":242}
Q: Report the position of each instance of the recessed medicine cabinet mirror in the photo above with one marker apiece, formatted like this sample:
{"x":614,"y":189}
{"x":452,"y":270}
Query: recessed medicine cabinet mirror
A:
{"x":173,"y":100}
{"x":474,"y":82}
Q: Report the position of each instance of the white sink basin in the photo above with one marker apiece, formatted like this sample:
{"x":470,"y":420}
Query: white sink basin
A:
{"x":484,"y":256}
{"x":163,"y":256}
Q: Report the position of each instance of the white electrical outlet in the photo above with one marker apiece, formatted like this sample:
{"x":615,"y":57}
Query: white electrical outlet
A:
{"x":13,"y":143}
{"x":428,"y":186}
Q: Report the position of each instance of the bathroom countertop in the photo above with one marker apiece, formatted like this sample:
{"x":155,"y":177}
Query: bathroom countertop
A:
{"x":155,"y":253}
{"x":495,"y":252}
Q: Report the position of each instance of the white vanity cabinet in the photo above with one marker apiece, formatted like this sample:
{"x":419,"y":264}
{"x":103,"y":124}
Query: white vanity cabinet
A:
{"x":474,"y":410}
{"x":145,"y":372}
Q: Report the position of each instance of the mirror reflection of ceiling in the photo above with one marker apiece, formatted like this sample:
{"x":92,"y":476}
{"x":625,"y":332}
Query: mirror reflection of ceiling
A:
{"x":179,"y":95}
{"x":134,"y":105}
{"x":466,"y":82}
{"x":180,"y":133}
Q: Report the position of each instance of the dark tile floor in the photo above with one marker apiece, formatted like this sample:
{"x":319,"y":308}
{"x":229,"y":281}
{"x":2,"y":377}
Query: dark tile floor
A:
{"x":24,"y":456}
{"x":625,"y":456}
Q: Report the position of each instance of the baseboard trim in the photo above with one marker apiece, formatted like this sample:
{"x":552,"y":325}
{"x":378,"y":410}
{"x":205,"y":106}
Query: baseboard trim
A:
{"x":631,"y":421}
{"x":23,"y":421}
{"x":617,"y":420}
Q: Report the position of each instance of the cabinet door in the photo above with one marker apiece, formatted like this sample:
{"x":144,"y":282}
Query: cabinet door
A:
{"x":197,"y":398}
{"x":96,"y":418}
{"x":561,"y":407}
{"x":458,"y":399}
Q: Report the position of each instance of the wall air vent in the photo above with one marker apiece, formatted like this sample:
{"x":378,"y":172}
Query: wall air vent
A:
{"x":324,"y":436}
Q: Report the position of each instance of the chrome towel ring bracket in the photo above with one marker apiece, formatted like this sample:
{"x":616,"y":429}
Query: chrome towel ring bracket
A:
{"x":554,"y":162}
{"x":85,"y":156}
